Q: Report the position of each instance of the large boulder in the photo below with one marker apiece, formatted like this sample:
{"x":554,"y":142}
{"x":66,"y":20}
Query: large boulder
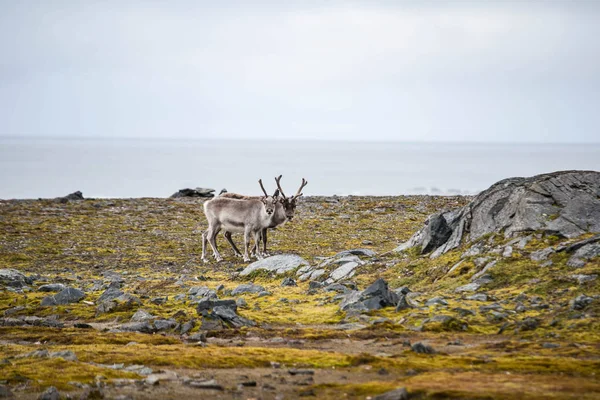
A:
{"x":13,"y":278}
{"x":564,"y":203}
{"x":65,"y":296}
{"x":278,"y":264}
{"x":198,"y":192}
{"x":375,"y":297}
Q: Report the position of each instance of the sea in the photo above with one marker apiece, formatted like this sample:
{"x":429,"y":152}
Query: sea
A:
{"x":32,"y":168}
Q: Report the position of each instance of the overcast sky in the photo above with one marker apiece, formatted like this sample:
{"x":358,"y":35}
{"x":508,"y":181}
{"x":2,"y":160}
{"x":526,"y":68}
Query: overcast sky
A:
{"x":358,"y":70}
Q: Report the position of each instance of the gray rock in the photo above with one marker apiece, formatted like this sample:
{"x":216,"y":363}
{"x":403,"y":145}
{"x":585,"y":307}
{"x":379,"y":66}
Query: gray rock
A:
{"x":344,"y":272}
{"x":357,"y":252}
{"x":541,"y":255}
{"x":64,"y":354}
{"x":13,"y":310}
{"x":197,"y":192}
{"x":375,"y":297}
{"x":209,"y":384}
{"x":141,"y":316}
{"x":187,"y":326}
{"x":278,"y":264}
{"x":50,"y":394}
{"x":402,"y":304}
{"x":508,"y":250}
{"x":202,"y":291}
{"x":397,"y":394}
{"x":208,"y":304}
{"x":485,"y":269}
{"x":422,"y":348}
{"x":470,"y":287}
{"x":240,"y":302}
{"x":581,"y":278}
{"x":311,"y":274}
{"x":230,"y":317}
{"x":336,"y":287}
{"x":436,"y":300}
{"x":478,"y":297}
{"x":66,"y":296}
{"x":110,"y":294}
{"x":165,"y":324}
{"x":13,"y":278}
{"x":575,"y":262}
{"x":143,"y":327}
{"x":288,"y":282}
{"x":564,"y":203}
{"x":247,"y":288}
{"x":52,"y":287}
{"x":581,"y":302}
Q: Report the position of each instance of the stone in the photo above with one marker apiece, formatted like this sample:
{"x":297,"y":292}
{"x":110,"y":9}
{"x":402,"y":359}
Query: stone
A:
{"x":436,"y":301}
{"x":356,"y":252}
{"x":580,"y":302}
{"x":203,"y":291}
{"x":208,"y":304}
{"x":241,"y":303}
{"x":230,"y":317}
{"x":375,"y":297}
{"x":563,"y":203}
{"x":209,"y":384}
{"x":187,"y":326}
{"x":344,"y":272}
{"x":197,"y":192}
{"x":289,"y":282}
{"x":279,"y":264}
{"x":247,"y":288}
{"x":478,"y":297}
{"x":508,"y":250}
{"x":485,"y":269}
{"x":164,"y":324}
{"x":396,"y":394}
{"x":50,"y":394}
{"x":141,"y":316}
{"x":52,"y":287}
{"x":422,"y":348}
{"x":336,"y":287}
{"x":65,"y":296}
{"x":110,"y":294}
{"x":581,"y":278}
{"x":64,"y":354}
{"x":143,"y":327}
{"x":402,"y":304}
{"x":541,"y":255}
{"x":470,"y":287}
{"x":13,"y":278}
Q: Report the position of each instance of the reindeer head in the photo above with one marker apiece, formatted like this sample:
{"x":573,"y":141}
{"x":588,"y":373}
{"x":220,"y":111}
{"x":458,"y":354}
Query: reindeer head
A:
{"x":270,"y":202}
{"x":289,"y":203}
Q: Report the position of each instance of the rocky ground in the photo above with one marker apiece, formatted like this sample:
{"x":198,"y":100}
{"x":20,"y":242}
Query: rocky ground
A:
{"x":109,"y":298}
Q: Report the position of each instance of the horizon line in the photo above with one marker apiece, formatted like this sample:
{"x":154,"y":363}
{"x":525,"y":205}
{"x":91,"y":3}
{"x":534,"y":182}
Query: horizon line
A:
{"x":349,"y":140}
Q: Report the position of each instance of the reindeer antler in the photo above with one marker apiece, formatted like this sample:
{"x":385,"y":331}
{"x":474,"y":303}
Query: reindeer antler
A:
{"x":304,"y":183}
{"x":279,"y":186}
{"x":263,"y":188}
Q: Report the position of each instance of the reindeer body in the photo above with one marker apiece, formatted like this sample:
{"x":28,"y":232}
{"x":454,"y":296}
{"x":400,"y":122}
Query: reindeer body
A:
{"x":284,"y":211}
{"x":249,"y":217}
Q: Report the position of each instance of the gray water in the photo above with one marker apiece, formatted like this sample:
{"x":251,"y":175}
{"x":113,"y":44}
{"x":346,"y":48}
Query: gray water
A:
{"x":33,"y":168}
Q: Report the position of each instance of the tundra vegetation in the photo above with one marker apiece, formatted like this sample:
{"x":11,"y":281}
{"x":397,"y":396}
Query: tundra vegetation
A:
{"x":532,"y":331}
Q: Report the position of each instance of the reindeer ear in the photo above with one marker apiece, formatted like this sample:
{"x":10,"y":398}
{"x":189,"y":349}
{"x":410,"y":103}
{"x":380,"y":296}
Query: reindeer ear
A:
{"x":276,"y":194}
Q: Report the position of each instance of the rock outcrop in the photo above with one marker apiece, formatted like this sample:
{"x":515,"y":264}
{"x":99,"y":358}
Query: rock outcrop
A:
{"x":565,"y":203}
{"x":197,"y":192}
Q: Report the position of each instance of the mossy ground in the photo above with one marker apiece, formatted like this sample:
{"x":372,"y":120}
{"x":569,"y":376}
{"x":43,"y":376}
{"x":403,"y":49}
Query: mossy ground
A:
{"x":154,"y":244}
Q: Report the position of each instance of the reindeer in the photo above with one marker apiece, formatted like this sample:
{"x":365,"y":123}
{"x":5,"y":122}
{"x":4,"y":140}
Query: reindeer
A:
{"x":234,"y":215}
{"x":284,"y":211}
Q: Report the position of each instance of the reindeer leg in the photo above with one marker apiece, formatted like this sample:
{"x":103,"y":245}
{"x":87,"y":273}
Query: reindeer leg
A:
{"x":233,"y":246}
{"x":264,"y":239}
{"x":204,"y":259}
{"x":212,"y":235}
{"x":246,"y":244}
{"x":257,"y":236}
